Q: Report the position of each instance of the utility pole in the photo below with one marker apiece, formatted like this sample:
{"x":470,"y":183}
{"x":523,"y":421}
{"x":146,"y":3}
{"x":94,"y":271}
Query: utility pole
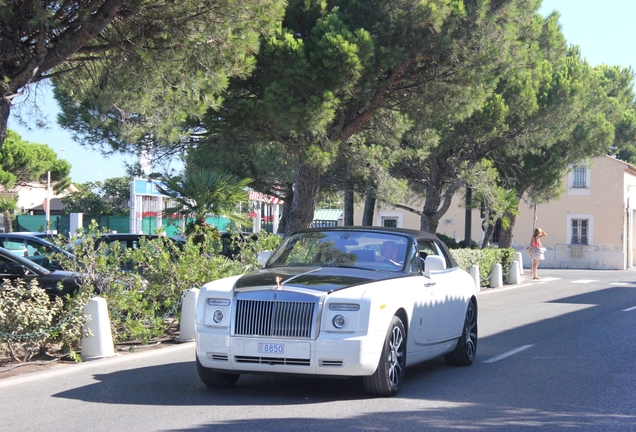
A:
{"x":48,"y":202}
{"x":468,"y":220}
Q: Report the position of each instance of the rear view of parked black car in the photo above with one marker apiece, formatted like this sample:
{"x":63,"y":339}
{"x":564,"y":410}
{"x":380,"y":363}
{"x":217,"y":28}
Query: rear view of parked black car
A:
{"x":14,"y":268}
{"x":35,"y":248}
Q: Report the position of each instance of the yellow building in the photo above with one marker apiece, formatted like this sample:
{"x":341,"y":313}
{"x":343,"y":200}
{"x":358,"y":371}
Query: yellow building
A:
{"x":591,"y":225}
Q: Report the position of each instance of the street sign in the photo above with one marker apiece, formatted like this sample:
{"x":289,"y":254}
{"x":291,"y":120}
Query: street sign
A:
{"x":146,"y":187}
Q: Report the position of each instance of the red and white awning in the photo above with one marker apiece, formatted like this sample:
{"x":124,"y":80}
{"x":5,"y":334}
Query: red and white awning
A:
{"x":258,"y":196}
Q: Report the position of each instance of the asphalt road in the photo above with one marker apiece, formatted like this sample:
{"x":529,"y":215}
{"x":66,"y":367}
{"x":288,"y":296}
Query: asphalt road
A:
{"x":554,"y":354}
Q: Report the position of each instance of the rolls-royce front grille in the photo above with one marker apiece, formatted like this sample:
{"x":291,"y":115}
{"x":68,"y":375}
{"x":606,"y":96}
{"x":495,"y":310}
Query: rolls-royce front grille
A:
{"x":274,"y":318}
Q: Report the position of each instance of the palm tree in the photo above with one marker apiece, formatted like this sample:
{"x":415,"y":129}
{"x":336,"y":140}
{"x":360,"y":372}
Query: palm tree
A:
{"x":7,"y":207}
{"x":201,"y":193}
{"x":503,"y":205}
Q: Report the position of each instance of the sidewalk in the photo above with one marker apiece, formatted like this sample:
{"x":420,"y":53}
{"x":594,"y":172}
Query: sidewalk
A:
{"x":32,"y":372}
{"x":12,"y":370}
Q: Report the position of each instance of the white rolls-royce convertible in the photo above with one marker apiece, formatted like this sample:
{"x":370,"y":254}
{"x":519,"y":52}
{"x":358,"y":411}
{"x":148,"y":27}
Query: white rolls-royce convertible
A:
{"x":339,"y":302}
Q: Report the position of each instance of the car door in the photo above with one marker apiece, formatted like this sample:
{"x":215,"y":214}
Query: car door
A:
{"x":423,"y":302}
{"x":39,"y":253}
{"x":446,"y":306}
{"x":13,"y":270}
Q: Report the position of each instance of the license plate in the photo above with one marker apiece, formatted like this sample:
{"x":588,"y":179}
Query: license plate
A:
{"x":268,"y":348}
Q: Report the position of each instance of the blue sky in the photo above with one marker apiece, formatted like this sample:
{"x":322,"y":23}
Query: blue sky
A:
{"x":86,"y":164}
{"x":603,"y":29}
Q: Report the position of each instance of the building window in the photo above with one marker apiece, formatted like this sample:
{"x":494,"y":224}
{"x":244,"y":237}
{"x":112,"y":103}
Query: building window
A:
{"x":390,"y":219}
{"x":389,"y":222}
{"x":579,"y":231}
{"x":579,"y":180}
{"x":579,"y":177}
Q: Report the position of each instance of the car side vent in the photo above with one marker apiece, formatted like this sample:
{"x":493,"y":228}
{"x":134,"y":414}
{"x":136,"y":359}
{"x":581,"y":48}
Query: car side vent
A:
{"x":323,"y":362}
{"x":218,"y":357}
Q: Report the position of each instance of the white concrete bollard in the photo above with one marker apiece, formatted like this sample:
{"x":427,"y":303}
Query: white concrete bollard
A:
{"x":513,"y":276}
{"x":519,"y":259}
{"x":474,"y":272}
{"x":188,"y":316}
{"x":496,"y":278}
{"x":99,"y":343}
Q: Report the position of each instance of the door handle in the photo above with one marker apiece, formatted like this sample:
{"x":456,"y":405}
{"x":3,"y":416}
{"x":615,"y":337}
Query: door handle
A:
{"x":429,"y":284}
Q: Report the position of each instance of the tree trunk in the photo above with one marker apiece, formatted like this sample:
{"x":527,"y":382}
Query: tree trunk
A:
{"x":505,"y":238}
{"x":348,"y":201}
{"x":488,"y":234}
{"x":468,"y":222}
{"x":5,"y":111}
{"x":428,"y":224}
{"x":485,"y":226}
{"x":307,"y":184}
{"x":369,"y":210}
{"x":369,"y":205}
{"x":430,"y":214}
{"x":7,"y":222}
{"x":289,"y":196}
{"x":439,"y":195}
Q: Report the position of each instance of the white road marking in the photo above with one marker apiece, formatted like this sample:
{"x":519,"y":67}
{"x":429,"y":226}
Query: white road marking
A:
{"x":630,"y":309}
{"x":620,"y":283}
{"x":584,"y":281}
{"x":508,"y":354}
{"x":547,"y":279}
{"x":487,"y":290}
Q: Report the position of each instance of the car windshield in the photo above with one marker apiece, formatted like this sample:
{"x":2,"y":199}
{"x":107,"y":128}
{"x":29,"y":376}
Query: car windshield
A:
{"x":361,"y":249}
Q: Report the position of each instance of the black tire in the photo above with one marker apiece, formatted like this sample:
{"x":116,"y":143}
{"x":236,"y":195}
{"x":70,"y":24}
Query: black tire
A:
{"x":389,"y":376}
{"x":466,"y":349}
{"x":211,"y":378}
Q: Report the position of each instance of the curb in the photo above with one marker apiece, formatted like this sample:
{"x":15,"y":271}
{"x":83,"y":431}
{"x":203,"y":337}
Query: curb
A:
{"x":65,"y":369}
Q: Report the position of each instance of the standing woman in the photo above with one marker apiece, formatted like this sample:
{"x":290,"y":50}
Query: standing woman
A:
{"x":536,"y":251}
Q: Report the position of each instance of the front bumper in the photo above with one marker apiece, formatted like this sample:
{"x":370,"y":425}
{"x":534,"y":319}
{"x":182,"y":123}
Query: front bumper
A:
{"x":335,"y":354}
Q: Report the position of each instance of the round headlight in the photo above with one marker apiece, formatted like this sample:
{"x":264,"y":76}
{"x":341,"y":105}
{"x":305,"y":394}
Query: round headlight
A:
{"x":339,"y":321}
{"x":218,"y":316}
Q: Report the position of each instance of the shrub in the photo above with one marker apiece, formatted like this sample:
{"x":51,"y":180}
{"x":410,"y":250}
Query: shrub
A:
{"x":485,"y":259}
{"x":26,"y":315}
{"x":141,"y":303}
{"x":449,"y":241}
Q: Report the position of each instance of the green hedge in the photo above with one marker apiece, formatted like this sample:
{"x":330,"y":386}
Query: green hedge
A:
{"x":485,"y":259}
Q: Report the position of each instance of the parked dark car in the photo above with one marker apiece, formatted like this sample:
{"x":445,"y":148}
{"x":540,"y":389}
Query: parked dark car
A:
{"x":14,"y":267}
{"x":40,"y":234}
{"x":233,"y":242}
{"x":129,"y":240}
{"x":33,"y":247}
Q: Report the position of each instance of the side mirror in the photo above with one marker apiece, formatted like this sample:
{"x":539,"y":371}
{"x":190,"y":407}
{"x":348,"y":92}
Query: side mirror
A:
{"x":263,"y":257}
{"x":434,"y":263}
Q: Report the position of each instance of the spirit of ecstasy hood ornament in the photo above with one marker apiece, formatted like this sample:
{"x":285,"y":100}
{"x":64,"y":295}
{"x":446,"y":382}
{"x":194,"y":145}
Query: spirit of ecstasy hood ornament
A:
{"x":277,"y":286}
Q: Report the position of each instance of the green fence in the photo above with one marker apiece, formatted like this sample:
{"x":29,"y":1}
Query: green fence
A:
{"x":121,"y":224}
{"x":38,"y":223}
